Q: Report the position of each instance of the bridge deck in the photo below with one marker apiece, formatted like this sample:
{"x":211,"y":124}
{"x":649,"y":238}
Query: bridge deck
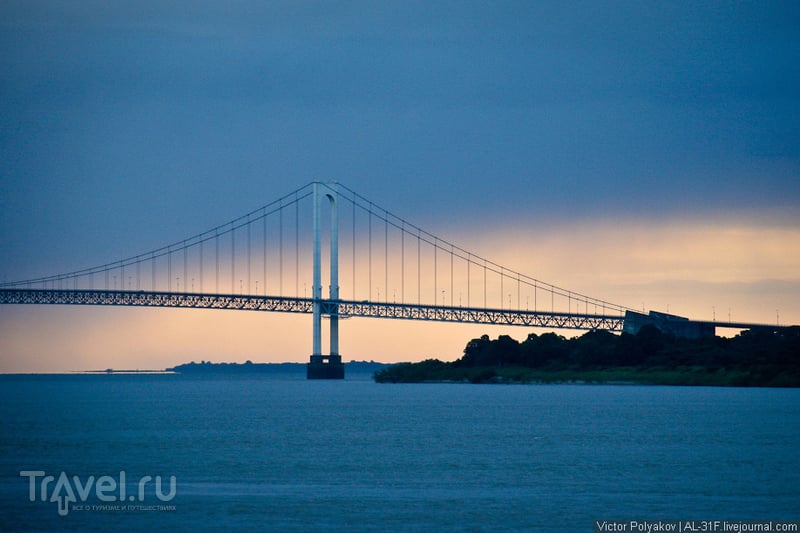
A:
{"x":341,"y":308}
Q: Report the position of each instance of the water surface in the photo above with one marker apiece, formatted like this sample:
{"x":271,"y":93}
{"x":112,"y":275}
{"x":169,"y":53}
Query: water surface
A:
{"x":283,"y":453}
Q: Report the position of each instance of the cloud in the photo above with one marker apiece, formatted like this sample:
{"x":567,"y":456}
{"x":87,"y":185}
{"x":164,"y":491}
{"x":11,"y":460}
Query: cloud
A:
{"x":689,"y":265}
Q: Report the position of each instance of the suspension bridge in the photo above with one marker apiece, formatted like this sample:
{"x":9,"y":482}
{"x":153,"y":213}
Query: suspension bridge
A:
{"x":269,"y":258}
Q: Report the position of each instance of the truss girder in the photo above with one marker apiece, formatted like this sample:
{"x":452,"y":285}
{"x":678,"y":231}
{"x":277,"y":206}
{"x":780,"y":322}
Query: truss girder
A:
{"x":341,"y":308}
{"x":156,"y":299}
{"x":501,"y":317}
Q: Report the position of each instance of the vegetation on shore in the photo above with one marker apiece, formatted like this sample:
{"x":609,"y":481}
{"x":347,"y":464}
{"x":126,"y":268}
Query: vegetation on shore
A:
{"x":752,"y":358}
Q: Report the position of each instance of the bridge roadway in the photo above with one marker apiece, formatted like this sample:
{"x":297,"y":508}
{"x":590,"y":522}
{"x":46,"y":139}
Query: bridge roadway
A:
{"x":341,"y":308}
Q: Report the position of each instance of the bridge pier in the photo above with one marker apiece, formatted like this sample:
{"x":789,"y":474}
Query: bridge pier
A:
{"x":325,"y":366}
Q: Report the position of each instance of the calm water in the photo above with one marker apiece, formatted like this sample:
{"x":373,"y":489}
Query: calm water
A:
{"x":283,"y":453}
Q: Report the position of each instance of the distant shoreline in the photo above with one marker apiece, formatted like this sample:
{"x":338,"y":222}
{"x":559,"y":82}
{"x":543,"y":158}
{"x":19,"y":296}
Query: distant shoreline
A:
{"x":209,"y":368}
{"x":250,"y":368}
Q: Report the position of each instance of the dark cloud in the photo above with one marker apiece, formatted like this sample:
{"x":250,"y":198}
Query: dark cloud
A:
{"x":123,"y":119}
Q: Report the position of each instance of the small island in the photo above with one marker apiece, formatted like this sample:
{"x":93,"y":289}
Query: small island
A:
{"x":751,"y":359}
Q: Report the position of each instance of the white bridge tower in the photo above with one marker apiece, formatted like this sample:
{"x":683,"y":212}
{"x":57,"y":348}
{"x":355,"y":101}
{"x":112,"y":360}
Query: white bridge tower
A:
{"x":326,"y":366}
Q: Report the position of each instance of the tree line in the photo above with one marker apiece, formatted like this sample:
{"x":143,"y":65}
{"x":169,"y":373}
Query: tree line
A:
{"x":754,"y":357}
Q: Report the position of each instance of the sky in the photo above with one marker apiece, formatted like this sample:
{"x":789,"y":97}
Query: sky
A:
{"x":640,"y":152}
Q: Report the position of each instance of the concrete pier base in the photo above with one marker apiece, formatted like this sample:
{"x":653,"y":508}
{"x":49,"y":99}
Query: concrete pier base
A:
{"x":325,"y":367}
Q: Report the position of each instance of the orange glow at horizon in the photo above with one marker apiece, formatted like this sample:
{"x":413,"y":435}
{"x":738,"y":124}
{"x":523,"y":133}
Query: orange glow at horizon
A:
{"x":745,"y":272}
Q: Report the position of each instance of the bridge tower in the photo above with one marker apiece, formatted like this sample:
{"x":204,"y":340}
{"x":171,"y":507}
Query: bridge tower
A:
{"x":325,"y":366}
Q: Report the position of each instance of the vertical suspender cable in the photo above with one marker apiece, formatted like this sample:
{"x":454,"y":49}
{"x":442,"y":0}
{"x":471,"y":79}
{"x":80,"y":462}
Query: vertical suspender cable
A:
{"x":469,"y":260}
{"x":185,"y":266}
{"x":501,"y":287}
{"x":369,"y":214}
{"x":402,"y":261}
{"x":484,"y":284}
{"x":419,"y":269}
{"x":201,"y":264}
{"x":264,"y":220}
{"x":233,"y":259}
{"x":386,"y":254}
{"x":248,"y":254}
{"x":451,"y":275}
{"x":169,"y":270}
